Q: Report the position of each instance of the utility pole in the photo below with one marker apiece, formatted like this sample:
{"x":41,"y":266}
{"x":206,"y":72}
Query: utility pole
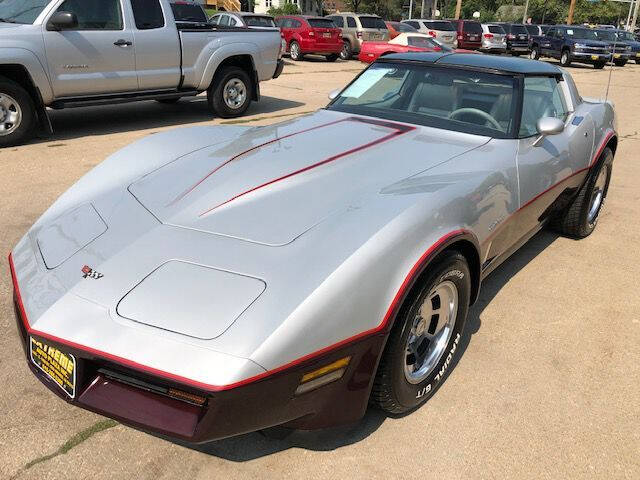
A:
{"x":572,"y":7}
{"x":410,"y":8}
{"x":626,"y":25}
{"x":459,"y":7}
{"x":422,"y":9}
{"x":635,"y":16}
{"x":526,"y":7}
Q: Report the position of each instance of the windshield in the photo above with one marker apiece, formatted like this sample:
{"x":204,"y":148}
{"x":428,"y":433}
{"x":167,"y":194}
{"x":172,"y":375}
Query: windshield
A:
{"x":532,"y":29}
{"x":447,"y":98}
{"x":440,"y":25}
{"x":183,"y":12}
{"x":252,"y":21}
{"x":471,"y":27}
{"x":497,"y":29}
{"x":372,"y":22}
{"x":582,"y":33}
{"x":518,"y":29}
{"x":21,"y":11}
{"x":608,"y":35}
{"x":321,"y":23}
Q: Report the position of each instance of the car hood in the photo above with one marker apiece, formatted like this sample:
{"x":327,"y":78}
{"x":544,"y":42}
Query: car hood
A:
{"x":269,"y":185}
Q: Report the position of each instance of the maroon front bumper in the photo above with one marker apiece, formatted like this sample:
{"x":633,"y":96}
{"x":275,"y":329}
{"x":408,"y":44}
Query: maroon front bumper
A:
{"x":136,"y":398}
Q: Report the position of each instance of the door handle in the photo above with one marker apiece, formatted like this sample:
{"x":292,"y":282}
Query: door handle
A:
{"x":122,"y":43}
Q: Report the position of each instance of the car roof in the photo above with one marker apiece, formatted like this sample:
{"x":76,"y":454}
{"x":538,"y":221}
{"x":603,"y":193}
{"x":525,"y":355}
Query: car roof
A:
{"x":481,"y":62}
{"x":248,"y":14}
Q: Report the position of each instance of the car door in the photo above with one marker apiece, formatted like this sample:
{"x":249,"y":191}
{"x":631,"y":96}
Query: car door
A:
{"x":544,"y":166}
{"x":157,"y":47}
{"x":556,"y":43}
{"x":95,"y":57}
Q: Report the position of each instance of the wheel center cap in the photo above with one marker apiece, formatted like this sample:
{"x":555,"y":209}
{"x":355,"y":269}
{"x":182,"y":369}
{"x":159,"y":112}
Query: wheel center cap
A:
{"x":421,"y":327}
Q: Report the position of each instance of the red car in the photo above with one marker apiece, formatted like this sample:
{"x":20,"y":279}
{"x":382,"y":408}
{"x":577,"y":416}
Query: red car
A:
{"x":402,"y":43}
{"x":310,"y":35}
{"x":469,"y":33}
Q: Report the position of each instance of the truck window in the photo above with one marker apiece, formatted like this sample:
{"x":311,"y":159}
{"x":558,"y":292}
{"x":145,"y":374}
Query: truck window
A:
{"x":147,"y":14}
{"x":95,"y":14}
{"x":338,"y":21}
{"x":188,"y":12}
{"x":351,"y":22}
{"x":22,"y":11}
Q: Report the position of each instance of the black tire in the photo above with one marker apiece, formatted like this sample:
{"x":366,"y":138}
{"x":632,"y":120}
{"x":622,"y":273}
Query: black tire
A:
{"x":392,"y":391}
{"x":332,"y":58}
{"x":535,"y":53}
{"x":168,"y":101}
{"x":579,"y":219}
{"x":346,"y":52}
{"x":599,"y":65}
{"x":215,"y":94}
{"x":565,"y":58}
{"x":294,"y":51}
{"x":620,"y":63}
{"x":15,"y":100}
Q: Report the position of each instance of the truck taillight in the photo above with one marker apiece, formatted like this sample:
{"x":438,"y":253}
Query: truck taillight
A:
{"x":488,"y":35}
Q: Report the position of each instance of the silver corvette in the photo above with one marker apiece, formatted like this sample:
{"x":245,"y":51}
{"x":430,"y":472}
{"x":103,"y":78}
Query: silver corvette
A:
{"x":210,"y":281}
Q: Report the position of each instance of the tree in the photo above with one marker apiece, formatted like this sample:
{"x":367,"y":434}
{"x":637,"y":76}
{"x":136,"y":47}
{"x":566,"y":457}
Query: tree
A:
{"x":287,"y":9}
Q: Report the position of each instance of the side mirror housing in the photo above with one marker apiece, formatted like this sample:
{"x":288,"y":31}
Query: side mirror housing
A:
{"x":548,"y":126}
{"x":62,"y":21}
{"x":334,"y":93}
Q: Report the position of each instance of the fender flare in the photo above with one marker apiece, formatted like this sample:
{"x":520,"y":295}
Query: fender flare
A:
{"x":222,"y":54}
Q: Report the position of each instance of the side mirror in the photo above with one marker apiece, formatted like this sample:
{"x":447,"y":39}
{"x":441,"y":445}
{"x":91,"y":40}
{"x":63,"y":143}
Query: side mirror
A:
{"x":62,"y":21}
{"x":548,"y":126}
{"x":334,"y":93}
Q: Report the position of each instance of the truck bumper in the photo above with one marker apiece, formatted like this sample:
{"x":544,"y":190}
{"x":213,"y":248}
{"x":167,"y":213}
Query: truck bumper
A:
{"x":279,"y":68}
{"x":590,"y":57}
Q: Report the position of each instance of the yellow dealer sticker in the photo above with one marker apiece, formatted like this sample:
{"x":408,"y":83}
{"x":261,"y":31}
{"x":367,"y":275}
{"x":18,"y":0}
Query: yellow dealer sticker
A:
{"x":594,"y":57}
{"x":58,"y":366}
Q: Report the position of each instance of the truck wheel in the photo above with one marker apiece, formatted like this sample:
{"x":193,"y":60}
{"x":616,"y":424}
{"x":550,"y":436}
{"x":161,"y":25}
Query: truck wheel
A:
{"x":332,"y":58}
{"x":17,"y":114}
{"x":425,"y":338}
{"x":581,"y":216}
{"x":294,"y":51}
{"x":535,"y":53}
{"x":230,"y":92}
{"x":565,"y":58}
{"x":345,"y":53}
{"x":620,"y":63}
{"x":599,"y":65}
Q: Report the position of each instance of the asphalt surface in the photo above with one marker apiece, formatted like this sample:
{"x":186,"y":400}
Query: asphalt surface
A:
{"x":548,"y":386}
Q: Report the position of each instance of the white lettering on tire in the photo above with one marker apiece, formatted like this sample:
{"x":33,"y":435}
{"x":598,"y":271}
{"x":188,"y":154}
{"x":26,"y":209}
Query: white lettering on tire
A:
{"x":423,"y":391}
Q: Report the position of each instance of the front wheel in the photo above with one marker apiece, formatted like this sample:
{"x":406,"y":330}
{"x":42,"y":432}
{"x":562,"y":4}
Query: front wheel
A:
{"x":230,"y":92}
{"x":565,"y":58}
{"x":294,"y":51}
{"x":535,"y":53}
{"x":345,"y":53}
{"x":580,"y":218}
{"x":332,"y":58}
{"x":599,"y":65}
{"x":17,"y":114}
{"x":425,"y":338}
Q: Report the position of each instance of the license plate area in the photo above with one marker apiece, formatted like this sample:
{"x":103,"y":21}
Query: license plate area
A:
{"x":55,"y":364}
{"x":326,"y":35}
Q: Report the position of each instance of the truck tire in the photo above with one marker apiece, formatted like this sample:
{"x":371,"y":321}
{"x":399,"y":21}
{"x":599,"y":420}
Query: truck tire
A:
{"x":425,"y":339}
{"x":18,"y":117}
{"x":535,"y":53}
{"x":565,"y":58}
{"x":581,"y":216}
{"x":332,"y":58}
{"x":294,"y":51}
{"x":345,"y":53}
{"x":620,"y":63}
{"x":599,"y":65}
{"x":230,"y":92}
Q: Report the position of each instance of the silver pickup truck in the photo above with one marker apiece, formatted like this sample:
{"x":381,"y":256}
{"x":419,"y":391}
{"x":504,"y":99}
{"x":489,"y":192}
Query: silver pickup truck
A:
{"x":73,"y":53}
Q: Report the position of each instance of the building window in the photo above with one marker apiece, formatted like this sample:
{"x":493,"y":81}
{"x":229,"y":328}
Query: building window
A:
{"x":268,"y":3}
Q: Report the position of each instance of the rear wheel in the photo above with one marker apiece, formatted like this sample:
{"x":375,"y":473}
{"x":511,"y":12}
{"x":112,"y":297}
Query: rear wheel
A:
{"x":345,"y":53}
{"x":230,"y":92}
{"x":565,"y":58}
{"x":294,"y":51}
{"x":620,"y":63}
{"x":535,"y":53}
{"x":425,"y":337}
{"x":332,"y":58}
{"x":580,"y":218}
{"x":17,"y":114}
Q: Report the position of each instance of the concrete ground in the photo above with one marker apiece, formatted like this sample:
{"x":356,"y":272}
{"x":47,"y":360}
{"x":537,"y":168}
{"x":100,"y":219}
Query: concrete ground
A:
{"x":548,"y":387}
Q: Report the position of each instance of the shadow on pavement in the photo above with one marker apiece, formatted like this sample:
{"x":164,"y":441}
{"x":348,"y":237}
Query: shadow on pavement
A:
{"x":259,"y":444}
{"x":79,"y":122}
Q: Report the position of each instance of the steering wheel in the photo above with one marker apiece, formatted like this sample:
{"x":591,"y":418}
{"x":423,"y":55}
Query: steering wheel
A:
{"x":475,"y":111}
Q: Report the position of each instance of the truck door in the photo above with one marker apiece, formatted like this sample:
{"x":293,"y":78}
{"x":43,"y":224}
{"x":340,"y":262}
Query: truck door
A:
{"x":546,"y":45}
{"x":94,"y":57}
{"x":157,"y":46}
{"x":543,"y":169}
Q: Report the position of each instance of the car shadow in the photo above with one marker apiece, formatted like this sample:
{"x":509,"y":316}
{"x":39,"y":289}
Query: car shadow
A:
{"x":105,"y":120}
{"x":251,"y":446}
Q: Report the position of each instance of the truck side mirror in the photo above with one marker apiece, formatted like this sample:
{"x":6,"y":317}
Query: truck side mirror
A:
{"x":548,"y":126}
{"x":62,"y":21}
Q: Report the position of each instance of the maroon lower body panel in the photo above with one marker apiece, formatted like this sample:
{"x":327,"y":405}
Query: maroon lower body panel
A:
{"x":131,"y":397}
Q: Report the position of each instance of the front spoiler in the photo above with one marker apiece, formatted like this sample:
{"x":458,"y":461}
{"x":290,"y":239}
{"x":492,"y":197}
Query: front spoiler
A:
{"x":265,"y":403}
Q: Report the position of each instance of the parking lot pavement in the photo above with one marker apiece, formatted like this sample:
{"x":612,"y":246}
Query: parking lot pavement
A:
{"x":548,"y":386}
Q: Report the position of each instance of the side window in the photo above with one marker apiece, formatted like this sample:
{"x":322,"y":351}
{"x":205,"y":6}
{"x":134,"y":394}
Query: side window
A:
{"x":224,"y":20}
{"x":147,"y":14}
{"x":543,"y":97}
{"x":339,"y":21}
{"x":551,"y":32}
{"x":295,"y":24}
{"x":415,"y":25}
{"x":95,"y":14}
{"x":215,"y":19}
{"x":232,"y":21}
{"x":351,"y":22}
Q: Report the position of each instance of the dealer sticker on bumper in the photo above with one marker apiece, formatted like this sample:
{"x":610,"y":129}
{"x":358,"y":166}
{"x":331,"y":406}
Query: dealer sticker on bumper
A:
{"x":58,"y":366}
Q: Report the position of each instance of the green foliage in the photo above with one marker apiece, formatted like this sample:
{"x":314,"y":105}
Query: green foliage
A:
{"x":286,"y":9}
